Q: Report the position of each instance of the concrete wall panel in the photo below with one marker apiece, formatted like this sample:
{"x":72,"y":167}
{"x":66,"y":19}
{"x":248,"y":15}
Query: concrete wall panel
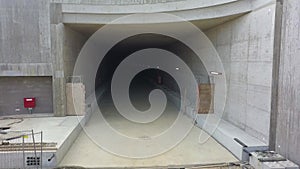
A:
{"x":288,"y":126}
{"x":248,"y":64}
{"x":235,"y":110}
{"x":260,"y":73}
{"x":73,"y":42}
{"x":25,"y":31}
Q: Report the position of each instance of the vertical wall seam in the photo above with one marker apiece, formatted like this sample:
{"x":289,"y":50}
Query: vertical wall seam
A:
{"x":275,"y":74}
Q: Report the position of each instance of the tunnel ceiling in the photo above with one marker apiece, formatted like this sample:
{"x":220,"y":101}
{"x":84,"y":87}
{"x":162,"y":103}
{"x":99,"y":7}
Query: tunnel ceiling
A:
{"x":89,"y":29}
{"x":135,"y":43}
{"x":123,"y":49}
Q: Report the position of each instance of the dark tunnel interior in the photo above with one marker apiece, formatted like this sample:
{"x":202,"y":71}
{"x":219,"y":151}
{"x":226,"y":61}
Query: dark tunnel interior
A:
{"x":144,"y":82}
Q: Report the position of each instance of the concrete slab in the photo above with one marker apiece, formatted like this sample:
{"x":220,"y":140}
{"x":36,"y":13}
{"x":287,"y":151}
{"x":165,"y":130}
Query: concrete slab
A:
{"x":60,"y":132}
{"x":86,"y":153}
{"x":55,"y":129}
{"x":226,"y":133}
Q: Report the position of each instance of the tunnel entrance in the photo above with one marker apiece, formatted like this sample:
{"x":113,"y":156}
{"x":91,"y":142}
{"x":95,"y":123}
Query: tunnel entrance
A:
{"x":141,"y":85}
{"x":152,"y":78}
{"x":239,"y":60}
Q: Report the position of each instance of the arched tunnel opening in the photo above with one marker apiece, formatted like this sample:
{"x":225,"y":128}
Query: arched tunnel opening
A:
{"x":147,"y":80}
{"x":75,"y":51}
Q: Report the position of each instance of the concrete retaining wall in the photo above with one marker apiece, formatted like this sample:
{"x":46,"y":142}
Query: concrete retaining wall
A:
{"x":14,"y":89}
{"x":25,"y":38}
{"x":245,"y":46}
{"x":287,"y":133}
{"x":25,"y":50}
{"x":73,"y":42}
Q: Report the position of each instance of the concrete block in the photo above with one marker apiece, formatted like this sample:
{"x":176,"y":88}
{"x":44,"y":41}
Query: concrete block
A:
{"x":14,"y":159}
{"x":288,"y":164}
{"x":272,"y":165}
{"x":254,"y":162}
{"x":226,"y":132}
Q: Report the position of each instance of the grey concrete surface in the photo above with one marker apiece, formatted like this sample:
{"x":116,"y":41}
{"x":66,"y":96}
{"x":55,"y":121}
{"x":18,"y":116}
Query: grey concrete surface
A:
{"x":73,"y":42}
{"x":37,"y":49}
{"x":59,"y":81}
{"x":15,"y":89}
{"x":25,"y":38}
{"x":89,"y":29}
{"x":98,"y":12}
{"x":117,"y":2}
{"x":275,"y":73}
{"x":226,"y":133}
{"x":86,"y":152}
{"x":66,"y":45}
{"x":246,"y":50}
{"x":35,"y":42}
{"x":87,"y":14}
{"x":59,"y":131}
{"x":287,"y":132}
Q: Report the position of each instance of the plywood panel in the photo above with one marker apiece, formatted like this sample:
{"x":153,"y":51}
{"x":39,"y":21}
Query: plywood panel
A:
{"x":206,"y":98}
{"x":75,"y":93}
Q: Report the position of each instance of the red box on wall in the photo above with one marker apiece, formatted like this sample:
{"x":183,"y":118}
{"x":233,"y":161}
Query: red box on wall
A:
{"x":29,"y":102}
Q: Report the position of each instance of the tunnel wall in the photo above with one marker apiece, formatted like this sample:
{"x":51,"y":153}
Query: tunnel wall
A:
{"x":115,"y":2}
{"x":287,"y":130}
{"x":164,"y":3}
{"x":245,"y":46}
{"x":73,"y":42}
{"x":198,"y":69}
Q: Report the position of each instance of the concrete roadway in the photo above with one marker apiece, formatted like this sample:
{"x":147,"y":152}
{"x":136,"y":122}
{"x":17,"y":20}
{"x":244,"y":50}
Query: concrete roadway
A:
{"x":84,"y":152}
